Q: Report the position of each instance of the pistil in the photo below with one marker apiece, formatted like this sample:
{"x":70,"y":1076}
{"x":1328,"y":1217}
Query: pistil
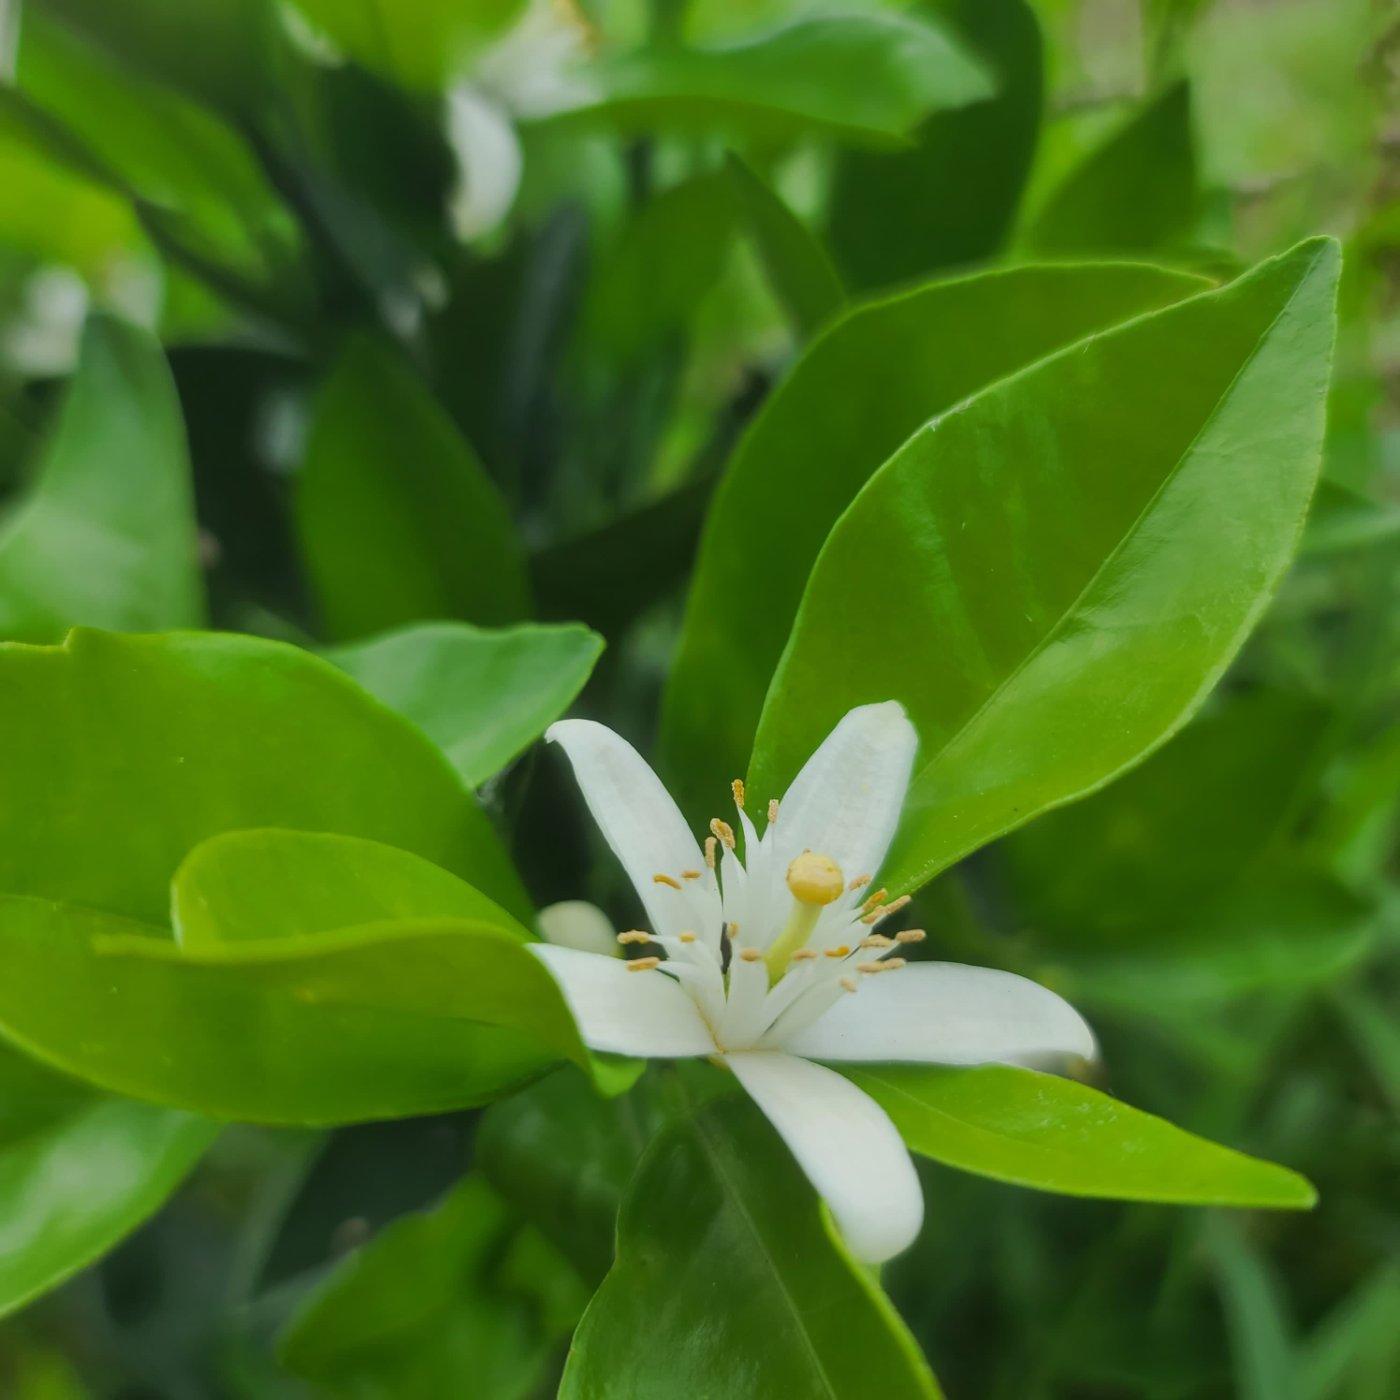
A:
{"x":814,"y":881}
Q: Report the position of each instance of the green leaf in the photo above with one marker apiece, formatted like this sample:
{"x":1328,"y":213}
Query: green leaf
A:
{"x":1266,"y":1367}
{"x":397,"y":517}
{"x":1137,"y":192}
{"x":562,"y":1157}
{"x":432,"y":1307}
{"x":377,"y":1021}
{"x":78,"y":1171}
{"x":1053,"y":576}
{"x":856,"y":394}
{"x":793,"y":258}
{"x":951,"y":200}
{"x":1033,"y":1129}
{"x":105,"y":535}
{"x":244,"y":886}
{"x":482,"y":697}
{"x":136,"y":749}
{"x":419,"y":43}
{"x":864,"y":78}
{"x":765,"y":1301}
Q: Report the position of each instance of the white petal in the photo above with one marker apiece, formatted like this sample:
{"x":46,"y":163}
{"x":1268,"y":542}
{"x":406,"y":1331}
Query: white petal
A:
{"x":949,"y":1014}
{"x":489,"y":161}
{"x":643,"y":826}
{"x":845,"y":1143}
{"x":845,"y":802}
{"x":575,"y":923}
{"x":626,"y":1012}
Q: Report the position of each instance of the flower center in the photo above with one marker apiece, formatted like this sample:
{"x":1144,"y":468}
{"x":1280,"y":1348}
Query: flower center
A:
{"x":815,"y":881}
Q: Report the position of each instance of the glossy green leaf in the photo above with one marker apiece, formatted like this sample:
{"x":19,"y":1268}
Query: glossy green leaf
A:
{"x":796,"y":264}
{"x":397,"y":517}
{"x":951,"y":199}
{"x":482,"y":697}
{"x":863,"y":78}
{"x":727,"y":1283}
{"x":1033,"y":1129}
{"x":420,"y":43}
{"x":432,"y":1307}
{"x":105,"y":534}
{"x":864,"y":385}
{"x":78,"y":1171}
{"x":377,"y":1021}
{"x":1137,"y":192}
{"x":1054,"y":575}
{"x":562,"y":1157}
{"x":136,"y":749}
{"x":243,"y":886}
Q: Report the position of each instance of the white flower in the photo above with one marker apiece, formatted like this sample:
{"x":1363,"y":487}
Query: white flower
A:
{"x":779,"y":960}
{"x":533,"y":71}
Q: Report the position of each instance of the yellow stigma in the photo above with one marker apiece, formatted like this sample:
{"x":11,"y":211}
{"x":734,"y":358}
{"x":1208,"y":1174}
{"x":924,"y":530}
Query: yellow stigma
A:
{"x":815,"y":879}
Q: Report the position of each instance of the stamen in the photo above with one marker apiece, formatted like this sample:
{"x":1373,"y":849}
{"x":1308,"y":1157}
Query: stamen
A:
{"x":841,"y":952}
{"x":804,"y":955}
{"x":910,"y":935}
{"x":859,"y":883}
{"x":876,"y":940}
{"x":849,"y":983}
{"x":710,"y":844}
{"x":686,"y":937}
{"x":879,"y":897}
{"x":737,"y":788}
{"x":724,"y":832}
{"x":750,"y":955}
{"x":666,"y":880}
{"x":634,"y":935}
{"x":884,"y":910}
{"x":885,"y":965}
{"x":642,"y":964}
{"x":690,"y":874}
{"x":772,"y":810}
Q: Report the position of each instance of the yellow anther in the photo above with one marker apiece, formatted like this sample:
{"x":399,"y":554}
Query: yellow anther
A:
{"x":642,"y":964}
{"x":878,"y":897}
{"x":840,"y":952}
{"x":690,"y":874}
{"x":737,"y":788}
{"x":634,"y":935}
{"x":910,"y":935}
{"x":849,"y":983}
{"x":887,"y":965}
{"x":710,"y":844}
{"x":750,"y":955}
{"x":666,"y":880}
{"x":876,"y":940}
{"x":882,"y":911}
{"x":724,"y":832}
{"x":859,"y":883}
{"x":686,"y":937}
{"x":804,"y":955}
{"x":815,"y":879}
{"x":772,"y":810}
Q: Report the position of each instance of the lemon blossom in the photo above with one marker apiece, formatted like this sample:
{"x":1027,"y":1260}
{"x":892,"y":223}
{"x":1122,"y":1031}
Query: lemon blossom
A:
{"x":774,"y":961}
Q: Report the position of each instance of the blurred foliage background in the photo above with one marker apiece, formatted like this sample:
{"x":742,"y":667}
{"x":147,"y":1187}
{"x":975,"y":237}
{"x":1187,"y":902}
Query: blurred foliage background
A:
{"x":465,"y":291}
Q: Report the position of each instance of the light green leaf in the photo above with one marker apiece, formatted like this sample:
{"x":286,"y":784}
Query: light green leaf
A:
{"x":378,"y":1021}
{"x":949,"y":201}
{"x":1053,"y":576}
{"x":397,"y":517}
{"x":434,"y":1306}
{"x":419,"y":43}
{"x":1033,"y":1129}
{"x":78,"y":1171}
{"x":482,"y":697}
{"x":766,"y":1303}
{"x":793,"y":258}
{"x":862,"y":78}
{"x":1137,"y":192}
{"x":859,"y":391}
{"x":136,"y":749}
{"x":105,"y":535}
{"x":243,"y":886}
